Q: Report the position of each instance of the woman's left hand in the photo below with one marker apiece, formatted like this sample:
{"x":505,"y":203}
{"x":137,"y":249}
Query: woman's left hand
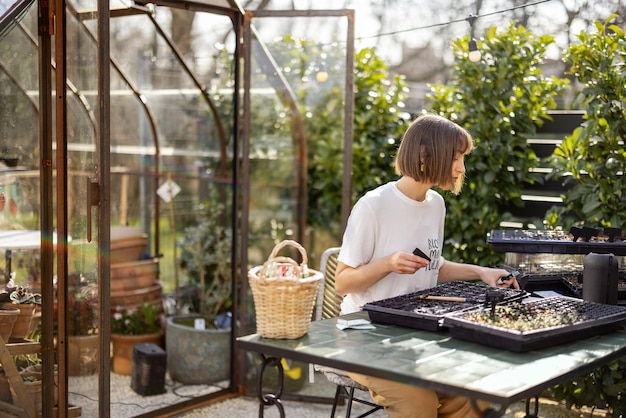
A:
{"x":499,"y":278}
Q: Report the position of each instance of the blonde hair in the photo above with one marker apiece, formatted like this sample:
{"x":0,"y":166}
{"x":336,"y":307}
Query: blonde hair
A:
{"x":428,"y":150}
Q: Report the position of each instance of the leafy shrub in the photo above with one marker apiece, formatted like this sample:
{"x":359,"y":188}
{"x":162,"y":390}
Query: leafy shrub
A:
{"x":593,"y":158}
{"x":500,"y":101}
{"x":378,"y":126}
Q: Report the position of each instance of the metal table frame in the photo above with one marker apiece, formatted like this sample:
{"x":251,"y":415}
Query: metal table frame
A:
{"x":437,"y":361}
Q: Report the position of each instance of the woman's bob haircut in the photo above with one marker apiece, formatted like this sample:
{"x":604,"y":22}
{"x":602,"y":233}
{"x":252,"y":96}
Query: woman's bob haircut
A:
{"x":428,"y":150}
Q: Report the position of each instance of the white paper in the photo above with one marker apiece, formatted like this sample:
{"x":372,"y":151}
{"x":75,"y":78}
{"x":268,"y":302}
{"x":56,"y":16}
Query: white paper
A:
{"x":354,"y":324}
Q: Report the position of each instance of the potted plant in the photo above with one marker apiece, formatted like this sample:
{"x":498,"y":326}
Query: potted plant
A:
{"x":82,"y":327}
{"x":22,"y":298}
{"x":30,"y":371}
{"x":131,"y":326}
{"x":191,"y":338}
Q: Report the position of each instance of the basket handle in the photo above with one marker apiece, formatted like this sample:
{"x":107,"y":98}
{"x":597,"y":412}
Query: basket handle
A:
{"x":292,"y":243}
{"x":273,"y":260}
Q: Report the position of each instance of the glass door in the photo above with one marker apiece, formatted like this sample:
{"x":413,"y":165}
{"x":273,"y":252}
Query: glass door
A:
{"x":298,"y":106}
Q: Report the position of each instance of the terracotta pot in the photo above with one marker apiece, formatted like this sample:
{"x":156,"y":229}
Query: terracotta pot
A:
{"x":127,"y":244}
{"x":134,"y":275}
{"x":8,"y":316}
{"x":132,"y":299}
{"x":123,"y":349}
{"x":82,"y":355}
{"x":22,"y":324}
{"x":32,"y":381}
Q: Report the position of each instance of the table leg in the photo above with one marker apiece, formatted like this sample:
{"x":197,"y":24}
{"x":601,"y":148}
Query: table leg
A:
{"x":270,"y":398}
{"x":492,"y":413}
{"x":536,"y":414}
{"x":489,"y":412}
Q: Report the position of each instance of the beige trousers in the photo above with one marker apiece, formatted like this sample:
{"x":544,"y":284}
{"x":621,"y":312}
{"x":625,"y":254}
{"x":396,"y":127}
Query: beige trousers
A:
{"x":406,"y":401}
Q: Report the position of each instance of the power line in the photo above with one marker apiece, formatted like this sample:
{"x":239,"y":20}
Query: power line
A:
{"x":473,"y":17}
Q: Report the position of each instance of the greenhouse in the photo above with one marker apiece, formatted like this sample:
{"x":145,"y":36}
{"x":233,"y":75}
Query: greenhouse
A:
{"x":144,"y":143}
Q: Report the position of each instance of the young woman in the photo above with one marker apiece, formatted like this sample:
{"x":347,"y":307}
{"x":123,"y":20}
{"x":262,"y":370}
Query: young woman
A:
{"x":376,"y":260}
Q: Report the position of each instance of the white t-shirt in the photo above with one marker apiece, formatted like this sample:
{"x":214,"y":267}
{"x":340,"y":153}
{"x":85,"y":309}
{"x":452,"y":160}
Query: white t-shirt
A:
{"x":384,"y":221}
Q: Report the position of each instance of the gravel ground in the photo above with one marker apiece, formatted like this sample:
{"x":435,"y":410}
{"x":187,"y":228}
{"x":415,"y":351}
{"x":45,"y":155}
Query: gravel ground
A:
{"x":249,"y":407}
{"x":126,"y":403}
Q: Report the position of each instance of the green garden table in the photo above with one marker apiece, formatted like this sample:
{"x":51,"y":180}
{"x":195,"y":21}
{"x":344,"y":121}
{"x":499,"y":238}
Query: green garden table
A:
{"x":437,"y":361}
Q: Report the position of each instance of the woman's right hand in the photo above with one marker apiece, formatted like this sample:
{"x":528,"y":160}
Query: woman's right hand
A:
{"x":403,"y":262}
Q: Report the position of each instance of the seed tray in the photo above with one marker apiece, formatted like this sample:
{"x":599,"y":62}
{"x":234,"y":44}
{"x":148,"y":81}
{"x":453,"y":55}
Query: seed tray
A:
{"x":565,"y":285}
{"x":576,"y":282}
{"x":553,"y":242}
{"x":413,"y":312}
{"x":536,"y":324}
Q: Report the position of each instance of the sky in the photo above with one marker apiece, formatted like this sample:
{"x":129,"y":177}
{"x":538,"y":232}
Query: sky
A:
{"x":409,"y":22}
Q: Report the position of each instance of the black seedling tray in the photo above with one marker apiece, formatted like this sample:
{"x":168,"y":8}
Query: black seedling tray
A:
{"x":567,"y":284}
{"x":556,"y":283}
{"x":413,"y":312}
{"x":535,"y":242}
{"x":556,"y":320}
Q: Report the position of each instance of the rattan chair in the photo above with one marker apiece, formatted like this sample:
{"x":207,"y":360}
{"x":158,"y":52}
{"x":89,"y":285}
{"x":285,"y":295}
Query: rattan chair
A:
{"x":328,"y":306}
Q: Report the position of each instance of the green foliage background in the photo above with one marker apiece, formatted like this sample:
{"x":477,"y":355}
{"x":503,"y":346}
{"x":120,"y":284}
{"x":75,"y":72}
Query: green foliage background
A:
{"x":592,"y":160}
{"x":500,"y":100}
{"x":379,"y":122}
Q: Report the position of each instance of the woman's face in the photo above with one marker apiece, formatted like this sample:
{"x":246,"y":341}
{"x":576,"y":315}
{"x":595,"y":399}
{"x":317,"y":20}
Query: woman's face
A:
{"x":458,"y":171}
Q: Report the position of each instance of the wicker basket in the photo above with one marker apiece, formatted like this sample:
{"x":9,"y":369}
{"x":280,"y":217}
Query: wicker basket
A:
{"x":284,"y":294}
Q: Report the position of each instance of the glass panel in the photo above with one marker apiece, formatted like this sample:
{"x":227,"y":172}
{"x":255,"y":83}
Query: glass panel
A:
{"x":20,"y":213}
{"x":19,"y":156}
{"x":171,"y":162}
{"x":297,"y":124}
{"x":82,"y":166}
{"x":296,"y":149}
{"x":11,"y":12}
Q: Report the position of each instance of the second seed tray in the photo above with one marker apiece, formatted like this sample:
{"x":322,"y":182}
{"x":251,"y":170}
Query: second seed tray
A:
{"x":536,"y":324}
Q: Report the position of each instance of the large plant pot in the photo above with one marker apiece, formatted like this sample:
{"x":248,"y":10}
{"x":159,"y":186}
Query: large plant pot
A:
{"x":134,"y":275}
{"x":8,"y":316}
{"x":196,"y":356}
{"x":22,"y":323}
{"x":82,"y":355}
{"x":127,"y":243}
{"x":123,"y":349}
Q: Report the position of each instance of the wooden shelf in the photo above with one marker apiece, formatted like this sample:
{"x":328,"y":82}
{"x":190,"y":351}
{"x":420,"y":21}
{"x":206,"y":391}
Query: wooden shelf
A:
{"x":24,"y":405}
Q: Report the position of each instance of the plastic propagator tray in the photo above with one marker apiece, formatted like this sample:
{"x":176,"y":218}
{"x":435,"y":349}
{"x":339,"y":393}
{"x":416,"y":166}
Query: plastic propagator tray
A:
{"x":536,"y":324}
{"x":413,"y":311}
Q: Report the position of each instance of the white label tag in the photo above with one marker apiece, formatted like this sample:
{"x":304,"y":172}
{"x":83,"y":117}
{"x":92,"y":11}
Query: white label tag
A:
{"x":168,"y":191}
{"x":199,"y":323}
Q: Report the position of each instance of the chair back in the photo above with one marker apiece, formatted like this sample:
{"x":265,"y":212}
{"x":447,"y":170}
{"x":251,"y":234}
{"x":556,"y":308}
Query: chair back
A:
{"x":328,"y":300}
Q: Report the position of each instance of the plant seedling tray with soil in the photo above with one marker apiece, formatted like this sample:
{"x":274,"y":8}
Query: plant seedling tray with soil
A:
{"x":426,"y":308}
{"x":536,"y":324}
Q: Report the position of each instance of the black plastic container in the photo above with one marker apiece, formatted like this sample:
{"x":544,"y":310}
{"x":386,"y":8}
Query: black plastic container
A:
{"x":148,"y":369}
{"x":600,"y":278}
